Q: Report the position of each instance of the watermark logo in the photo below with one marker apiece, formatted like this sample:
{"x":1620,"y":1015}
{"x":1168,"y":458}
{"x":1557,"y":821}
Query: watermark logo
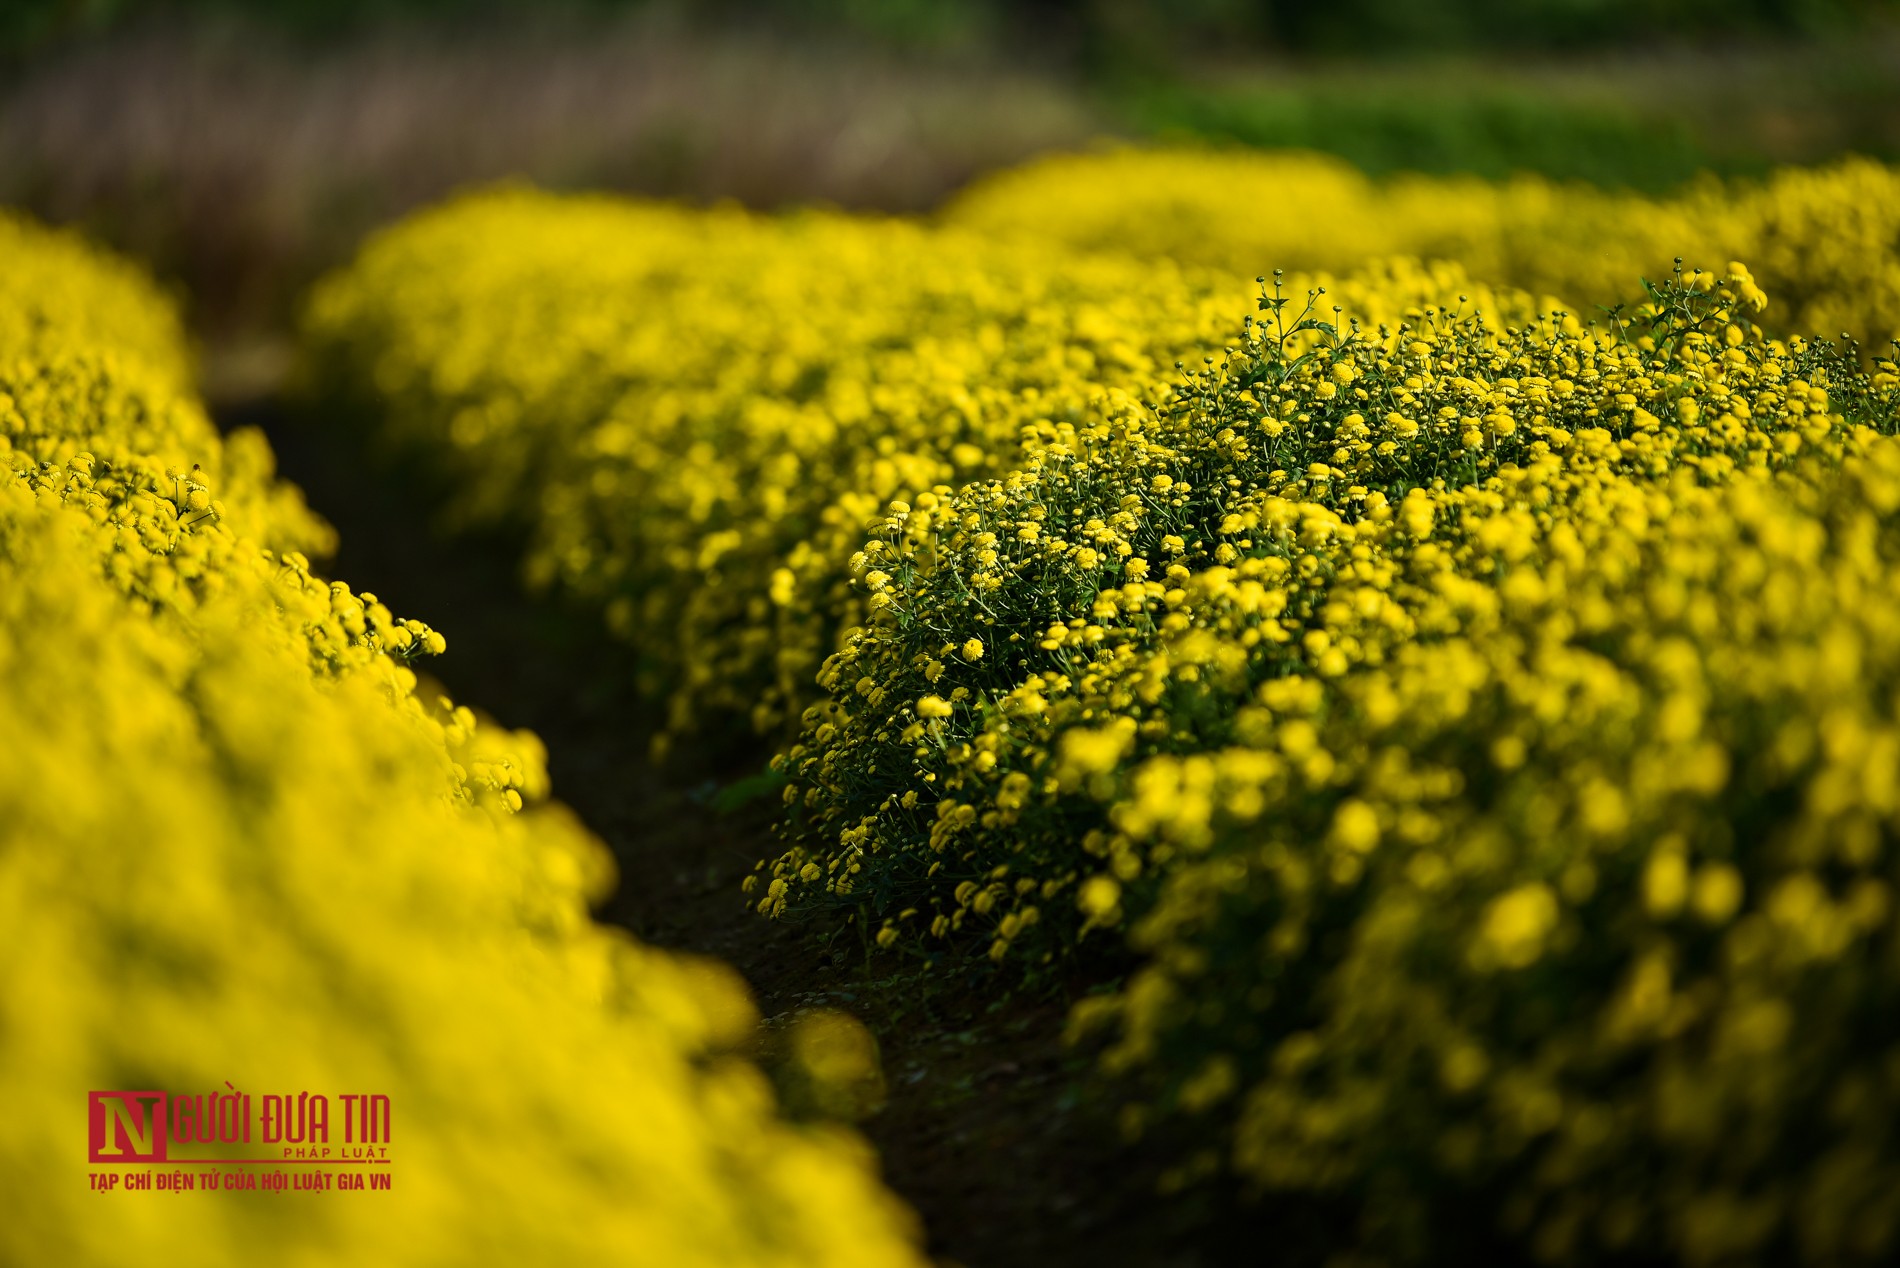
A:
{"x":272,"y":1143}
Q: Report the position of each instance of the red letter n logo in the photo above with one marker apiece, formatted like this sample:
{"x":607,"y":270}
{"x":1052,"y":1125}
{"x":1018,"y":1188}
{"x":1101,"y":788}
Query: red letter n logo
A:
{"x":125,"y":1127}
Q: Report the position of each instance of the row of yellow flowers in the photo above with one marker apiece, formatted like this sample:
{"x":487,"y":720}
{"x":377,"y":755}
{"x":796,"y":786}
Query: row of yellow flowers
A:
{"x":1476,"y":716}
{"x":1489,"y":736}
{"x":243,"y":852}
{"x":695,"y":413}
{"x":1825,"y":242}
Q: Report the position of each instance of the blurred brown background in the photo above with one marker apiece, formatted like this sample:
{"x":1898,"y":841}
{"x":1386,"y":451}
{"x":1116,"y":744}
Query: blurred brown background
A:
{"x":243,"y":147}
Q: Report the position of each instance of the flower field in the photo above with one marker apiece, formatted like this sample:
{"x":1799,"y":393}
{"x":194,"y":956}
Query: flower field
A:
{"x":246,"y":852}
{"x":1441,"y":631}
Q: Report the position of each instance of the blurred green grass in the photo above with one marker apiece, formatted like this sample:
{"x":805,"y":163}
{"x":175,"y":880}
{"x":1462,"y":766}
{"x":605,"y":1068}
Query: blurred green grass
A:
{"x":1486,"y":133}
{"x":1647,"y":118}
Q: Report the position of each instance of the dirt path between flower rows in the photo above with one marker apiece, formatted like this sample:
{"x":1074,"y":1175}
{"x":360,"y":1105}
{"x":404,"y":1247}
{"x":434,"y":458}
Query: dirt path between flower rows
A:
{"x":990,"y":1130}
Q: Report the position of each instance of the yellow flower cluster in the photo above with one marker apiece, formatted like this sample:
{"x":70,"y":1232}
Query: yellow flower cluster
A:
{"x":695,"y":414}
{"x":235,"y":846}
{"x":1824,"y":241}
{"x":1486,"y":730}
{"x":1586,"y":906}
{"x":63,"y":293}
